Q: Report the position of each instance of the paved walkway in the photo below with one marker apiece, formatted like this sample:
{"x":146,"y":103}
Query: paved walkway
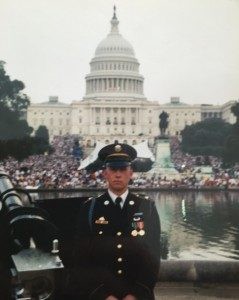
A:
{"x":196,"y":291}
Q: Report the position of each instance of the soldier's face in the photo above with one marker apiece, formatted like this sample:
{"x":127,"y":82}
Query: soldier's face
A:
{"x":118,"y":178}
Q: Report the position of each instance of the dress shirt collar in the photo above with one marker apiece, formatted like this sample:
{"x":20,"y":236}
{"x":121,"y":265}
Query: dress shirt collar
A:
{"x":113,"y":196}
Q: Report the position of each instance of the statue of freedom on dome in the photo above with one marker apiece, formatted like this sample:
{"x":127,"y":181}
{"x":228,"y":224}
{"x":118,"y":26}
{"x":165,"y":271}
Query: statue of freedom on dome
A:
{"x":163,"y":123}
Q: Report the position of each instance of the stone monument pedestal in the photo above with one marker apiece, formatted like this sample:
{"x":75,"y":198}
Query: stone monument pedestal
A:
{"x":163,"y":165}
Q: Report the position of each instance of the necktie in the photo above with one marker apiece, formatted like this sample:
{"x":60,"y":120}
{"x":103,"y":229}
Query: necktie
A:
{"x":118,"y":200}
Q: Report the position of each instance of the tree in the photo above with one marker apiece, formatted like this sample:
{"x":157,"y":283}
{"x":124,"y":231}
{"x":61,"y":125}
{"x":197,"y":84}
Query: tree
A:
{"x":42,"y":132}
{"x":12,"y":103}
{"x":231,"y":153}
{"x":10,"y":92}
{"x":235,"y":111}
{"x":42,"y":138}
{"x":206,"y":138}
{"x":15,"y":133}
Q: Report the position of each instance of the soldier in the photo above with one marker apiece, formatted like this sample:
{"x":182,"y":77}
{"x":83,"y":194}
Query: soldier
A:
{"x":118,"y":234}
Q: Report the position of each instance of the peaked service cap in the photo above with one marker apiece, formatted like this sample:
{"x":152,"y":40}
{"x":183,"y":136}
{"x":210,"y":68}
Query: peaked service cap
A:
{"x":117,"y":155}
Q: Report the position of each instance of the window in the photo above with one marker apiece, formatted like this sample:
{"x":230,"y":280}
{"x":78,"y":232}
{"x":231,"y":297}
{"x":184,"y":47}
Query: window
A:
{"x":97,"y":121}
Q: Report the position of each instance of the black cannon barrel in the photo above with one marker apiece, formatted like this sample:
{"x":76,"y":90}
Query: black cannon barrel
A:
{"x":26,"y":222}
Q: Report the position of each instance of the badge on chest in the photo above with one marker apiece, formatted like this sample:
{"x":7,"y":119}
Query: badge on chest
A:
{"x":101,"y":221}
{"x":138,"y":225}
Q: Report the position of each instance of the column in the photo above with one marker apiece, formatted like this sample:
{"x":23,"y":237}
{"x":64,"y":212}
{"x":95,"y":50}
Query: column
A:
{"x":90,"y":84}
{"x":98,"y":85}
{"x":117,"y":84}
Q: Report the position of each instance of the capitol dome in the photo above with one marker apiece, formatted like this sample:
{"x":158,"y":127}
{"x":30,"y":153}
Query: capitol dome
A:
{"x":114,"y":68}
{"x":114,"y":43}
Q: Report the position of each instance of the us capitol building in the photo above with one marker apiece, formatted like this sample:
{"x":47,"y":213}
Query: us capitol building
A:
{"x":114,"y":106}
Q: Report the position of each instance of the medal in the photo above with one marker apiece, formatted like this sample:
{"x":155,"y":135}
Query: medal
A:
{"x":138,"y":225}
{"x":141,"y":232}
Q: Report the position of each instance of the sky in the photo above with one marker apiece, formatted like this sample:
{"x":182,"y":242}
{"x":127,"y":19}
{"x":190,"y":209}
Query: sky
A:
{"x":186,"y":48}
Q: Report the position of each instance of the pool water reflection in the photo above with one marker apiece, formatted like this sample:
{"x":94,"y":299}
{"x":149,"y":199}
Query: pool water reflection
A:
{"x":199,"y":225}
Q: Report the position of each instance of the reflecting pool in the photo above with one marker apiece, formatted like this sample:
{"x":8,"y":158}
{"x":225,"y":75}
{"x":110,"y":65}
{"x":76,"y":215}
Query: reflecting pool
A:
{"x":199,"y":225}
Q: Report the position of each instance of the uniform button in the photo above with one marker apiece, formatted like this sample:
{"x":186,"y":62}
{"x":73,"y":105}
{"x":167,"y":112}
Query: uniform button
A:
{"x":119,"y":271}
{"x":119,"y":246}
{"x":100,"y":232}
{"x":119,"y":233}
{"x":119,"y":259}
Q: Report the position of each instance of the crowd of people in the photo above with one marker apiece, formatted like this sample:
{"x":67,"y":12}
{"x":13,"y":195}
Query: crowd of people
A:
{"x":60,"y":170}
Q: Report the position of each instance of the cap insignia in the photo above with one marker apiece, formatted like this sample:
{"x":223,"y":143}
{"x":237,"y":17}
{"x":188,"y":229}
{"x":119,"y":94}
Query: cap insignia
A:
{"x":118,"y":148}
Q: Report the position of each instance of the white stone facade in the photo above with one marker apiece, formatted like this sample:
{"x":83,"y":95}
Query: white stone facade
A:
{"x":114,"y":106}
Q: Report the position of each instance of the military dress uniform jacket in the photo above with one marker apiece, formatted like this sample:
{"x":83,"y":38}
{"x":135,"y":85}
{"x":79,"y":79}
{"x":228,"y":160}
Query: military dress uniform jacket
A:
{"x":117,"y":251}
